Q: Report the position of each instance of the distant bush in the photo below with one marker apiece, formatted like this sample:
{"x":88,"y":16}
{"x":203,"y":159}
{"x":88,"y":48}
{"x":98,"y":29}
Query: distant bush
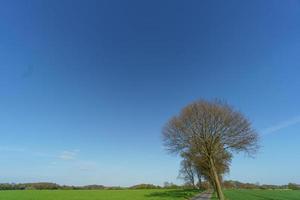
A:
{"x":145,"y":186}
{"x":93,"y":187}
{"x":168,"y":185}
{"x":239,"y":185}
{"x":204,"y":185}
{"x":293,"y":186}
{"x":29,"y":186}
{"x":115,"y":188}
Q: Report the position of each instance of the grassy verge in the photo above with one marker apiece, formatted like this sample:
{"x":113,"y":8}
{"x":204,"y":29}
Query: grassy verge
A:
{"x":261,"y":195}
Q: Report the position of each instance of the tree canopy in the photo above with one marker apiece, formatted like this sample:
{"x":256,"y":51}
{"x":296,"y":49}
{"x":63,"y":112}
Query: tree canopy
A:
{"x":209,"y":133}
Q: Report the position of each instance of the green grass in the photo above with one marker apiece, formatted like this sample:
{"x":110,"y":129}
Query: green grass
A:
{"x":97,"y":194}
{"x":261,"y":195}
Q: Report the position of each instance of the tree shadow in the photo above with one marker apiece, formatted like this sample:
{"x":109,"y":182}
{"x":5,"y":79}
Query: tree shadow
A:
{"x":174,"y":194}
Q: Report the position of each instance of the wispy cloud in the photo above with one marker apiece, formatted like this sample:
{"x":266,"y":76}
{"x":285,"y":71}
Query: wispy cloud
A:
{"x":42,"y":154}
{"x":69,"y":155}
{"x":87,"y":166}
{"x":281,"y":125}
{"x":12,"y":149}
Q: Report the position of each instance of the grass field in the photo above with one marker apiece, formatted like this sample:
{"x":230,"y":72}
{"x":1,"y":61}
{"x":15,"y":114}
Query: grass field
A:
{"x":97,"y":194}
{"x":262,"y":195}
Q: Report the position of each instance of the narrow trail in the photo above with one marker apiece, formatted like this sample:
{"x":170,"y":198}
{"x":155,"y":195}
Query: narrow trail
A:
{"x":203,"y":196}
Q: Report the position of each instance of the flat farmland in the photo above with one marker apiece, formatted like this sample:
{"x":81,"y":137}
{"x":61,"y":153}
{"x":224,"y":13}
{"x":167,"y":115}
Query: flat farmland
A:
{"x":158,"y":194}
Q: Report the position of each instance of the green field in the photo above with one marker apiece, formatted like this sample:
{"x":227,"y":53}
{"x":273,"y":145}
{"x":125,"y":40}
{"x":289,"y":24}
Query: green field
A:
{"x":97,"y":194}
{"x":262,"y":195}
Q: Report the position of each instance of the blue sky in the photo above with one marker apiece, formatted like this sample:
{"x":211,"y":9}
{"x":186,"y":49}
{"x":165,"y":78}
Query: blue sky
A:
{"x":86,"y":86}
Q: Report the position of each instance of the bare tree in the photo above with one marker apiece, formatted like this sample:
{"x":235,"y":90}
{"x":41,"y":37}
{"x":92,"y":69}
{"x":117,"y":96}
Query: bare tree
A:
{"x":199,"y":176}
{"x":210,"y":131}
{"x":190,"y":171}
{"x":187,"y":172}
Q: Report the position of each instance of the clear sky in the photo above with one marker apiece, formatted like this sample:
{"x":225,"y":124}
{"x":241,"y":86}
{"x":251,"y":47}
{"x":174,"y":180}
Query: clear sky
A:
{"x":86,"y":86}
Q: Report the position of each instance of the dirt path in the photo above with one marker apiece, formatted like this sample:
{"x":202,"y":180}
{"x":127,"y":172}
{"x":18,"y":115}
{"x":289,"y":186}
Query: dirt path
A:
{"x":203,"y":196}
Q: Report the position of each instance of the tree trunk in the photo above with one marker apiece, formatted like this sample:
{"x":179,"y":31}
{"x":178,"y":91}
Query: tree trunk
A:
{"x":199,"y":178}
{"x":193,"y":181}
{"x":216,"y":180}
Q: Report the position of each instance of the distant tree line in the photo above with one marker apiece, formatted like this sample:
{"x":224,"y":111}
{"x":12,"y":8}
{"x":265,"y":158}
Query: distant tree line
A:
{"x":49,"y":186}
{"x":204,"y":185}
{"x":29,"y":186}
{"x":145,"y":186}
{"x":239,"y":185}
{"x":54,"y":186}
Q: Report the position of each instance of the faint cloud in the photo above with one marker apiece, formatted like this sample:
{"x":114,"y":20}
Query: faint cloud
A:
{"x":87,"y":166}
{"x":11,"y":149}
{"x":42,"y":154}
{"x":281,"y":125}
{"x":53,"y":163}
{"x":24,"y":150}
{"x":68,"y":155}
